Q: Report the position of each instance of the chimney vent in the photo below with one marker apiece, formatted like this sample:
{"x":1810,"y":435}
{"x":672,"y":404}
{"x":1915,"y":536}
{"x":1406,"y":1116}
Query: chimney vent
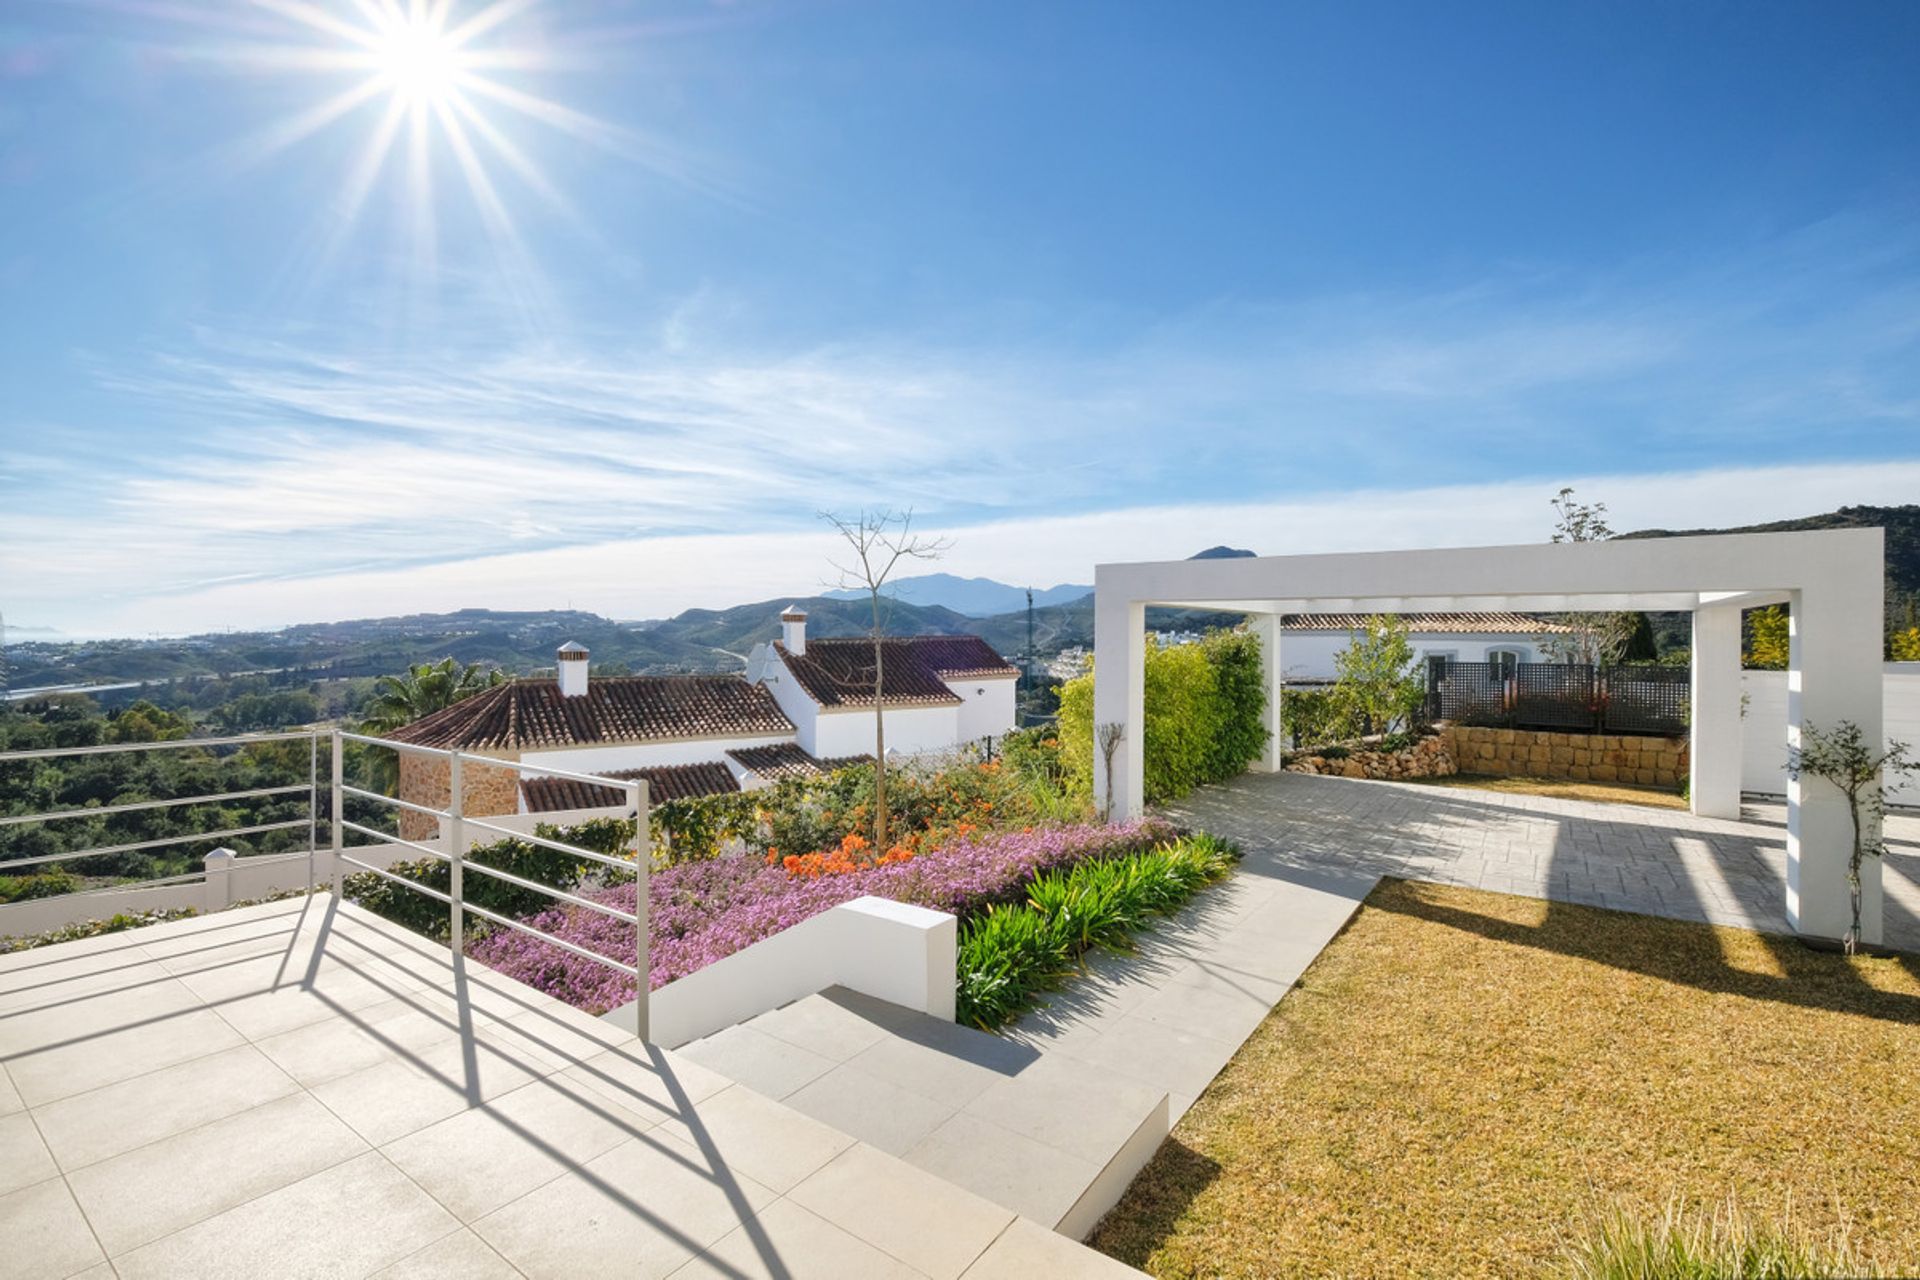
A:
{"x":793,"y":627}
{"x":571,"y":663}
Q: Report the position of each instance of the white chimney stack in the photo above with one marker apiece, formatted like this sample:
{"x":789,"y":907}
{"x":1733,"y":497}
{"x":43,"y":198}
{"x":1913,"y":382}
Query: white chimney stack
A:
{"x":571,"y":662}
{"x":793,"y":626}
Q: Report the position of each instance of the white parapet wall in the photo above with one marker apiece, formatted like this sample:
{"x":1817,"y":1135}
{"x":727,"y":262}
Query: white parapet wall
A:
{"x":1763,"y":715}
{"x":903,"y":954}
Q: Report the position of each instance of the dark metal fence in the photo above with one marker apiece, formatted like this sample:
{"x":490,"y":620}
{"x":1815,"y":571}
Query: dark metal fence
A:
{"x":1569,"y":697}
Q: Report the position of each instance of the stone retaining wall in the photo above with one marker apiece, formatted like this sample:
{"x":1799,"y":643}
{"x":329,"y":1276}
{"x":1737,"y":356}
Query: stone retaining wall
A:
{"x":1428,"y":758}
{"x":1582,"y":757}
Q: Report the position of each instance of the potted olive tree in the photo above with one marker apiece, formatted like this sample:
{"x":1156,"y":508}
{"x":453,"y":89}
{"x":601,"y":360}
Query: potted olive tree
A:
{"x":1842,"y":757}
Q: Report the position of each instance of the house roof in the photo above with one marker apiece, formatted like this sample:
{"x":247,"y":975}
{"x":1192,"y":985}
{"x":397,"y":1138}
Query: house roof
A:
{"x":1470,"y":624}
{"x":839,"y":672}
{"x":664,"y":782}
{"x":789,"y":760}
{"x":531,"y":714}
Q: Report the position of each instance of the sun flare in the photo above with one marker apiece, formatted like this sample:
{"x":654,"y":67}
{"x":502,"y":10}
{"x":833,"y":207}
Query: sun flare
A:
{"x":416,"y":57}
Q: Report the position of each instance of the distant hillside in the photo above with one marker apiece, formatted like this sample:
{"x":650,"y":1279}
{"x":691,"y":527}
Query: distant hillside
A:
{"x":975,"y":597}
{"x":1220,"y":553}
{"x":1902,"y":524}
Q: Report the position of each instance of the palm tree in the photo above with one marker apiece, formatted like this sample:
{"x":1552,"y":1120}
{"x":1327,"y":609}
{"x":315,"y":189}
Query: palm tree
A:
{"x":423,"y":689}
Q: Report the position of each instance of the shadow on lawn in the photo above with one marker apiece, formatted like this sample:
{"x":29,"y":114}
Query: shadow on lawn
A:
{"x":1679,"y":951}
{"x":1155,"y":1203}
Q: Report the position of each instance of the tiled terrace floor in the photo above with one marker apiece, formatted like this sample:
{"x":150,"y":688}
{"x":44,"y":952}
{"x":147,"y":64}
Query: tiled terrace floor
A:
{"x":1655,"y":861}
{"x":294,"y":1090}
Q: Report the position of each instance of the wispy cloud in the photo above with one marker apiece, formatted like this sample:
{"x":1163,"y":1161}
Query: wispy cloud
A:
{"x":339,"y":465}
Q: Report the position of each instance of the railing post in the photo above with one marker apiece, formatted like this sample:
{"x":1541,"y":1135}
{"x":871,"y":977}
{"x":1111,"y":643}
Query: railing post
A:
{"x":313,"y":803}
{"x":339,"y":812}
{"x":218,"y":882}
{"x":642,"y":928}
{"x":457,"y":854}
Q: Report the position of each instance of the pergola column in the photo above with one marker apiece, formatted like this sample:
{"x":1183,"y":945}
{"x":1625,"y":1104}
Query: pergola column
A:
{"x":1714,"y":729}
{"x":1833,"y":674}
{"x":1266,"y":626}
{"x":1119,"y":698}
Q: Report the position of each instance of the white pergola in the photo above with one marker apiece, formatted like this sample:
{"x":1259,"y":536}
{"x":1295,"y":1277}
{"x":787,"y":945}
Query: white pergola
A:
{"x":1833,"y":580}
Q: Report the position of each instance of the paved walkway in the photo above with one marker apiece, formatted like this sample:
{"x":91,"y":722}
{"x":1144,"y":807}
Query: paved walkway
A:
{"x":1655,"y":861}
{"x":293,"y":1090}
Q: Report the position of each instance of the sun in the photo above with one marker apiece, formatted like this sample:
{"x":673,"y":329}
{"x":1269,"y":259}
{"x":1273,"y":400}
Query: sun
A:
{"x":418,"y":59}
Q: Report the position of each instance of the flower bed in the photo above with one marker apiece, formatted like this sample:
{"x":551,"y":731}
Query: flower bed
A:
{"x":702,"y":911}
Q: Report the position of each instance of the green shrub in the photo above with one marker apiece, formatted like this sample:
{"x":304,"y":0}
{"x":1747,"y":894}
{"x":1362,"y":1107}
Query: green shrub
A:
{"x":49,"y":883}
{"x":1310,"y":717}
{"x":1205,"y":716}
{"x":699,"y":828}
{"x":1010,"y":954}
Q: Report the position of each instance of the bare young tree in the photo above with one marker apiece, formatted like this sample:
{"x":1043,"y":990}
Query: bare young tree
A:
{"x":880,"y":540}
{"x":1595,"y":639}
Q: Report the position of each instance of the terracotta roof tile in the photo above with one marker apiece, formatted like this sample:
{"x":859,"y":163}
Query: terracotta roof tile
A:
{"x":839,"y":672}
{"x":664,"y":782}
{"x":789,"y":760}
{"x":530,"y":714}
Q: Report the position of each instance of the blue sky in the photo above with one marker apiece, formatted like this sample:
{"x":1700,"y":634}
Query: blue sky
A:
{"x":1073,"y":281}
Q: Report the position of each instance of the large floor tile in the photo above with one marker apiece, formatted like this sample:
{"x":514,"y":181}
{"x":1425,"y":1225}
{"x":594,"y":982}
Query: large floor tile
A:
{"x":928,"y":1223}
{"x":344,"y":1222}
{"x":875,"y":1111}
{"x":24,"y":1159}
{"x":784,"y":1241}
{"x":49,"y":1021}
{"x":648,"y":1079}
{"x":641,"y":1210}
{"x":956,"y":1070}
{"x":45,"y":1236}
{"x":1008,"y":1168}
{"x":836,"y":1024}
{"x":764,"y":1063}
{"x":770,"y":1143}
{"x":1158,"y":1055}
{"x":1069,"y":1106}
{"x":146,"y":1193}
{"x":10,"y":1099}
{"x":391,"y":1030}
{"x":94,"y":1126}
{"x":1026,"y":1249}
{"x":394,"y":1098}
{"x":148,"y":1043}
{"x":483,"y":1158}
{"x":460,"y":1256}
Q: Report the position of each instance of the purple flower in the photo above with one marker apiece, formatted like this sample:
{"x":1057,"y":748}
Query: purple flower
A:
{"x":702,"y":911}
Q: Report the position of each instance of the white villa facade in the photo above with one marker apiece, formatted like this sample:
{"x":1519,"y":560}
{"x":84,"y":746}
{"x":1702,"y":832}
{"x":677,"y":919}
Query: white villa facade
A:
{"x":1312,"y":641}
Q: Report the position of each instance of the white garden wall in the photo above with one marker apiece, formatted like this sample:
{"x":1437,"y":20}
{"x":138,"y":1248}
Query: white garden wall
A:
{"x":909,"y":729}
{"x":1763,"y":727}
{"x":986,"y":708}
{"x":902,"y":954}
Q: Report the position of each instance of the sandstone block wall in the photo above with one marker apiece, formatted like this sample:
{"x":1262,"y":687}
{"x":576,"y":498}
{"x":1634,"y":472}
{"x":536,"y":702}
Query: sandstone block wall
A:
{"x":1581,"y":757}
{"x":487,"y":790}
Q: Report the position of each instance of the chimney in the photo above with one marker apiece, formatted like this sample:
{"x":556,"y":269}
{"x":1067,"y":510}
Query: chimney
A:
{"x":571,"y":663}
{"x":793,"y":629}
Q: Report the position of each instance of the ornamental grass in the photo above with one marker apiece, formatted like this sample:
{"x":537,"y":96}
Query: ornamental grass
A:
{"x":703,"y":911}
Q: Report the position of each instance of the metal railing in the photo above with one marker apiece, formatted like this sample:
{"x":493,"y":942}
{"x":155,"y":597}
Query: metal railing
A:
{"x":453,"y":822}
{"x":311,"y":821}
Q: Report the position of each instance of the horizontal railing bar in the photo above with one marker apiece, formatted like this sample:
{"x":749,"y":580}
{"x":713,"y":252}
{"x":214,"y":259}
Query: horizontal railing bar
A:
{"x":625,"y":917}
{"x":545,"y":843}
{"x":138,"y":884}
{"x":393,"y":745}
{"x":561,"y":943}
{"x":153,"y":804}
{"x":245,"y":739}
{"x":395,"y":801}
{"x":384,"y":838}
{"x":388,"y":875}
{"x":104,"y":850}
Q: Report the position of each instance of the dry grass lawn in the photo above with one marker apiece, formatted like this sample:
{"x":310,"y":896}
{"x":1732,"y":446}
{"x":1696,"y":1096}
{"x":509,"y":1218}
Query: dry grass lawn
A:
{"x":1561,"y":789}
{"x":1464,"y":1080}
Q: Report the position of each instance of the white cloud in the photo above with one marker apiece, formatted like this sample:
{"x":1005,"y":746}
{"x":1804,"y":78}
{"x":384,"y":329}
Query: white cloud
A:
{"x":658,"y":576}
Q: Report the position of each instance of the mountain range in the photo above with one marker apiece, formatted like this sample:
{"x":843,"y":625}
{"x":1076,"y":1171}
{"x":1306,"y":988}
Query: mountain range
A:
{"x":974,"y":597}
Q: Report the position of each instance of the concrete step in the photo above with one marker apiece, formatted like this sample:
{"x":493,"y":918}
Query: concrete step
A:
{"x":1052,"y":1138}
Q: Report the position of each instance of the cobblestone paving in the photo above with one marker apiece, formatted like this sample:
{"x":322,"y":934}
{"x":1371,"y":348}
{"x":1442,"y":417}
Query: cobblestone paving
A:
{"x":1654,"y":861}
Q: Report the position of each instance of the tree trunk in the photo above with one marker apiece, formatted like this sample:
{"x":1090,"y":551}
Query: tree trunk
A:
{"x":1853,"y":873}
{"x":879,"y":745}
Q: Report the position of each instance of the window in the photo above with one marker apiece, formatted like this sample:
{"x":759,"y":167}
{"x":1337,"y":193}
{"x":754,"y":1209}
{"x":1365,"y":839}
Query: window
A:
{"x":1505,"y":660}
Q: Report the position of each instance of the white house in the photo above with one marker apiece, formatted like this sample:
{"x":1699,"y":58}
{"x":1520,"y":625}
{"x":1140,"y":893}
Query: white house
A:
{"x":1310,"y":641}
{"x":939,"y":691}
{"x":799,"y":711}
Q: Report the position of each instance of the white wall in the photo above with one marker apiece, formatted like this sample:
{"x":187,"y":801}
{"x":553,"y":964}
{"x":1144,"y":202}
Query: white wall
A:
{"x":909,"y":729}
{"x":1308,"y":655}
{"x":902,"y":954}
{"x":1763,"y":727}
{"x":986,"y":708}
{"x":645,"y":754}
